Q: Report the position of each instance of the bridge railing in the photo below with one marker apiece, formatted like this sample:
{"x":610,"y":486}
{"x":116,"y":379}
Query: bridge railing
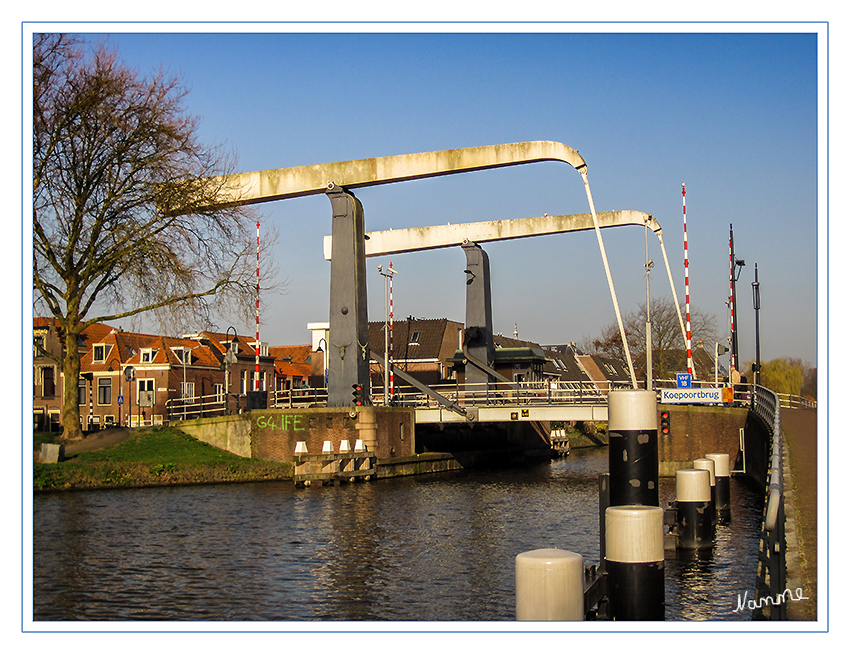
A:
{"x":503,"y":394}
{"x":770,"y":601}
{"x":298,"y":397}
{"x":203,"y":406}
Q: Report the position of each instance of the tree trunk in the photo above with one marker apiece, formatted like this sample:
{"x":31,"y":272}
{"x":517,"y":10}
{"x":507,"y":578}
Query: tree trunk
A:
{"x":70,"y":403}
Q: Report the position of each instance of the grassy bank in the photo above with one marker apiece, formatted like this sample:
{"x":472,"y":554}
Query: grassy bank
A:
{"x":159,"y":456}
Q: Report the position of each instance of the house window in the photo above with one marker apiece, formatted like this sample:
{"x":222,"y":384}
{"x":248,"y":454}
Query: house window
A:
{"x":81,"y":392}
{"x":187,"y":389}
{"x":38,"y":346}
{"x":219,"y":392}
{"x":145,"y":385}
{"x":48,"y":384}
{"x":243,"y":378}
{"x":104,"y":391}
{"x":99,"y":353}
{"x":147,"y":355}
{"x":414,"y":338}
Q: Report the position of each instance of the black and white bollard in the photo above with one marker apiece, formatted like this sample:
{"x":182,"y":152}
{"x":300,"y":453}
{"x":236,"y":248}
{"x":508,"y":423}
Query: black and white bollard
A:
{"x":722,"y":496}
{"x":634,"y":561}
{"x":633,"y":447}
{"x":693,"y":509}
{"x":549,"y":585}
{"x":708,"y":464}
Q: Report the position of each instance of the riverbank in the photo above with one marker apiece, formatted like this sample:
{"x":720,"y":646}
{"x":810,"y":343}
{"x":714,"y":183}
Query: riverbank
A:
{"x":157,"y":456}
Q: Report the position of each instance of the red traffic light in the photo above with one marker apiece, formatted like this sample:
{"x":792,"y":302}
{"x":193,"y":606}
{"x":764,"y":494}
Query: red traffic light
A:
{"x":357,"y":394}
{"x":665,"y":422}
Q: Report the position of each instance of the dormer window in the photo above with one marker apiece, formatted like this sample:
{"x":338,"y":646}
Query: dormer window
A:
{"x":99,"y":353}
{"x":183,"y":354}
{"x":146,"y":355}
{"x":264,"y":348}
{"x":233,"y":346}
{"x":414,"y":338}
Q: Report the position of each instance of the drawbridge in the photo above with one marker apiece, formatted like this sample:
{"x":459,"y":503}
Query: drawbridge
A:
{"x":348,"y":356}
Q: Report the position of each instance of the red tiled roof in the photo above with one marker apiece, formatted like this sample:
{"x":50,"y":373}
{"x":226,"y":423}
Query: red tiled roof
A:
{"x":299,"y":366}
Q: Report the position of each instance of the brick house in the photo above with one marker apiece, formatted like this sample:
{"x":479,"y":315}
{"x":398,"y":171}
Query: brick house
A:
{"x":423,"y":348}
{"x":292,"y":366}
{"x":165,"y":370}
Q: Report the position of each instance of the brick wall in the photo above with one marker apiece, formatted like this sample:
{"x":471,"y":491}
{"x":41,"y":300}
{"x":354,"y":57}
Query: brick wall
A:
{"x":696,"y":431}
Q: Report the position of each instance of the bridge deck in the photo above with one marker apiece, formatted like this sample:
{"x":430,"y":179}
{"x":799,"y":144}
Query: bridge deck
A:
{"x":509,"y":413}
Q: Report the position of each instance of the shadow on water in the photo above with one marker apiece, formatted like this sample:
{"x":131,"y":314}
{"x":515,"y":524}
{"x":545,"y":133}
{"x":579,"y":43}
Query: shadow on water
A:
{"x":436,"y":548}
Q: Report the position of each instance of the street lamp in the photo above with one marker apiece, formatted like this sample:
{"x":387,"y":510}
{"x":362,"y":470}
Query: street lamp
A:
{"x":387,"y":275}
{"x":229,"y":359}
{"x":757,"y":306}
{"x":324,"y":361}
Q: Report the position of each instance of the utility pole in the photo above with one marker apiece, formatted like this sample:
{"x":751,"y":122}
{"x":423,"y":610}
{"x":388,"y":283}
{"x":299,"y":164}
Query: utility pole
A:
{"x":388,"y":276}
{"x":735,"y":266}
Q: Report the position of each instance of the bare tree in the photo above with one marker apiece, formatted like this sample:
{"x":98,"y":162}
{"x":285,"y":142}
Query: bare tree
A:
{"x":110,"y":148}
{"x":668,"y":345}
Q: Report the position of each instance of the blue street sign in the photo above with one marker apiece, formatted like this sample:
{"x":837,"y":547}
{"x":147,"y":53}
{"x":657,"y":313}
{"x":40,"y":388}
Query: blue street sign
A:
{"x":120,"y":400}
{"x":683,"y":380}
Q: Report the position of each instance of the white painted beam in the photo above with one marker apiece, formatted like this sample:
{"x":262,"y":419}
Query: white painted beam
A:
{"x":394,"y":241}
{"x":297,"y":181}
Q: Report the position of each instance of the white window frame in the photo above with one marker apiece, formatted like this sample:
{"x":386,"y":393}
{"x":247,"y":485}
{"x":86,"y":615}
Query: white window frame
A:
{"x":104,"y":353}
{"x":100,"y":385}
{"x":146,"y":355}
{"x":145,"y":384}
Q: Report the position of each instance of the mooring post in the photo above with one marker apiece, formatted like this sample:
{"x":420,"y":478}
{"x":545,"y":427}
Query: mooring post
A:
{"x":708,"y":464}
{"x":721,"y":486}
{"x":549,"y":585}
{"x":604,"y":503}
{"x":634,"y":554}
{"x":693,"y":509}
{"x":633,"y":447}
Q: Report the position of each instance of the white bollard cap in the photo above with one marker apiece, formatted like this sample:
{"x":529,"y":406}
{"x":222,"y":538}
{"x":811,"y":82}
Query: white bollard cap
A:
{"x":549,"y":585}
{"x":705,"y":464}
{"x":632,"y":410}
{"x":328,"y":448}
{"x":634,"y":534}
{"x":693,"y":485}
{"x":301,"y":447}
{"x":721,"y":463}
{"x":359,"y":446}
{"x":344,"y":447}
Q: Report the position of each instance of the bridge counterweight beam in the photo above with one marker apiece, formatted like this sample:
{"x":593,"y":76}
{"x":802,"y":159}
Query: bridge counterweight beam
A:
{"x":478,"y":337}
{"x":348,"y":350}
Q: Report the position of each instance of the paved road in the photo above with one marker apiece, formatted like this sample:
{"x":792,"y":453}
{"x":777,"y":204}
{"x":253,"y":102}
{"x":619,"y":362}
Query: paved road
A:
{"x":800,"y":427}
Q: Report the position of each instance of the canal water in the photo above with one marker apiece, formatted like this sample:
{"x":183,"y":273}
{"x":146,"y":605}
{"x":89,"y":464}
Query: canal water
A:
{"x":436,"y":547}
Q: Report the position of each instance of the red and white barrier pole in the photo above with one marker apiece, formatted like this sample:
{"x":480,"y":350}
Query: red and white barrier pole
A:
{"x":392,"y":381}
{"x":257,"y":344}
{"x":687,"y":287}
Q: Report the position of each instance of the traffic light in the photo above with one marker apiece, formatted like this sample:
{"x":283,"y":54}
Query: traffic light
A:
{"x":665,"y":422}
{"x":357,"y":395}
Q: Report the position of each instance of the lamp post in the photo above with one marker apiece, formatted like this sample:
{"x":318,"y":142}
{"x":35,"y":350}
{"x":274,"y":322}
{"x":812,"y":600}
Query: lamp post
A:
{"x":387,"y":275}
{"x":757,"y":306}
{"x":229,"y":359}
{"x":324,"y":361}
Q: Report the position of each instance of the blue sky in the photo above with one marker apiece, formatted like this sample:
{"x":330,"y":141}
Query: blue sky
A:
{"x":734,"y":116}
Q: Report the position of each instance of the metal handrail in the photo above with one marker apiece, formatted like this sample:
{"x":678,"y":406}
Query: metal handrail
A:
{"x":771,"y":577}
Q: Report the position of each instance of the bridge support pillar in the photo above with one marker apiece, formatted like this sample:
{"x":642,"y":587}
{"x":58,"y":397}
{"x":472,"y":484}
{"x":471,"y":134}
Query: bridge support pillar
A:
{"x":348,"y":349}
{"x":478,"y":338}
